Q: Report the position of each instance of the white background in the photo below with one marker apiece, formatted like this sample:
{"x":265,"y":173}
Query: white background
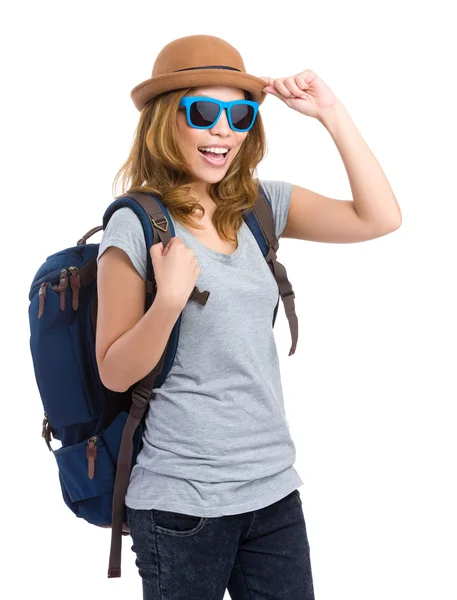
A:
{"x":370,"y":392}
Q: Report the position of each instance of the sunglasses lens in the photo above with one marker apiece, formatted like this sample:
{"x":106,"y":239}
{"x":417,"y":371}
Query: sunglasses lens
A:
{"x":242,"y":115}
{"x":203,"y":113}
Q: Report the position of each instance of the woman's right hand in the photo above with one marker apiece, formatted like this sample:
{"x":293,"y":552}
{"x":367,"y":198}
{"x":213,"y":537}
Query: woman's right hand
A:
{"x":176,"y":271}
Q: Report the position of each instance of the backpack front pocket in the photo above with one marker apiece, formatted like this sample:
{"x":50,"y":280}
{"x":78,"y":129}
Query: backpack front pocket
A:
{"x":87,"y":473}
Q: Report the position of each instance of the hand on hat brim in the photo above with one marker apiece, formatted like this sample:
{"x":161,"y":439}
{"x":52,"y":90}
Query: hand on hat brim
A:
{"x":305,"y":92}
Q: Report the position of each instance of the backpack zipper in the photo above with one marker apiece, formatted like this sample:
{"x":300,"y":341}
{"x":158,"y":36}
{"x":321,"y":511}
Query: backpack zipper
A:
{"x":91,"y":455}
{"x":61,"y":288}
{"x":75,"y":283}
{"x":42,"y":295}
{"x":46,"y":431}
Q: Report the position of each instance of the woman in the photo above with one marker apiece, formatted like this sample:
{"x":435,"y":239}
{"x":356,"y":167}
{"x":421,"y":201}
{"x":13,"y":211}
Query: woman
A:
{"x":212,"y":502}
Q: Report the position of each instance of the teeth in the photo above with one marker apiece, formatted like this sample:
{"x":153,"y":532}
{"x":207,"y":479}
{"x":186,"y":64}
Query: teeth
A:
{"x":215,"y":150}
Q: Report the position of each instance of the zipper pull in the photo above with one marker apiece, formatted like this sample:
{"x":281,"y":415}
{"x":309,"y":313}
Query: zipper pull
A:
{"x":63,"y":284}
{"x":46,"y":431}
{"x":91,"y":455}
{"x":75,"y":283}
{"x":42,"y":296}
{"x":44,"y":425}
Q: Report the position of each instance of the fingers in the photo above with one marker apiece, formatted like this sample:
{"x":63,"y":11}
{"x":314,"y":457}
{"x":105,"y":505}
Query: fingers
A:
{"x":294,"y":86}
{"x":268,"y":80}
{"x":289,"y":88}
{"x":175,"y":240}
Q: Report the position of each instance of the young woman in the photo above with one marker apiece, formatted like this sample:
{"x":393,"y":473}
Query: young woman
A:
{"x":212,"y":502}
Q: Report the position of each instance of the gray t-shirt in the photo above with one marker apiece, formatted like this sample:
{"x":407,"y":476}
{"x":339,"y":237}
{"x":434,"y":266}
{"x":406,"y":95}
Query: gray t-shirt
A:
{"x":217,"y":440}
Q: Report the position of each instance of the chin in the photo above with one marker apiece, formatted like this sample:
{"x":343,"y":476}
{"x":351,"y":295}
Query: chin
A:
{"x":209,"y":175}
{"x":208,"y":179}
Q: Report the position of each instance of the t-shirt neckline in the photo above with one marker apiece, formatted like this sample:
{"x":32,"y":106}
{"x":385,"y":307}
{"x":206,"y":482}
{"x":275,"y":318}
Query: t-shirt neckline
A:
{"x":215,"y":253}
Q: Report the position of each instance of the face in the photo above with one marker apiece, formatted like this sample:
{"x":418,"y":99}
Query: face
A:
{"x":221,"y":133}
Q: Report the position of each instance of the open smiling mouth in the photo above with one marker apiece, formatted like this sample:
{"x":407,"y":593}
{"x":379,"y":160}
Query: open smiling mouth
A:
{"x":217,"y":160}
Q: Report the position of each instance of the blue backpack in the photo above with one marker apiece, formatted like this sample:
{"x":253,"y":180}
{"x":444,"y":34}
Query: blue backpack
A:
{"x":101,"y":430}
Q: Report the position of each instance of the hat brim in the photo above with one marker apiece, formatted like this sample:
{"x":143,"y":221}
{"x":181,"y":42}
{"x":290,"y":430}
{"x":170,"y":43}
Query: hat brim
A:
{"x":143,"y":92}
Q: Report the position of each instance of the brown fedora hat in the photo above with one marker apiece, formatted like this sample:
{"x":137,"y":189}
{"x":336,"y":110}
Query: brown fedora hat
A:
{"x":196,"y":61}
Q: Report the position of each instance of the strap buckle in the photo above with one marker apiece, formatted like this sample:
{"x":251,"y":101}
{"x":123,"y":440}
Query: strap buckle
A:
{"x":291,"y":293}
{"x":141,"y":395}
{"x":156,"y":225}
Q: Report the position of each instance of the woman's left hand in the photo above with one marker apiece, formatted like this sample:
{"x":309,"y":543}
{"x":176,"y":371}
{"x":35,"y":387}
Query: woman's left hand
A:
{"x":305,"y":92}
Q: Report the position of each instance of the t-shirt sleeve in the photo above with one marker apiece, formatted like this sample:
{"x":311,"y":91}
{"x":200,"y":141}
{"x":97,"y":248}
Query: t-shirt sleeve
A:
{"x":124,"y":231}
{"x":278,"y":192}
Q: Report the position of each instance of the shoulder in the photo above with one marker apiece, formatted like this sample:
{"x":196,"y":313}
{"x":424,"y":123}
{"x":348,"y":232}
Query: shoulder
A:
{"x":124,"y":230}
{"x":124,"y":215}
{"x":275,"y":188}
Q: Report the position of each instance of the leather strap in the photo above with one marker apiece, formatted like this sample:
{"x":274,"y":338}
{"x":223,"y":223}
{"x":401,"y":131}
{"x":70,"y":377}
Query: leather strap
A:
{"x":264,"y":215}
{"x":85,"y":237}
{"x":140,"y":403}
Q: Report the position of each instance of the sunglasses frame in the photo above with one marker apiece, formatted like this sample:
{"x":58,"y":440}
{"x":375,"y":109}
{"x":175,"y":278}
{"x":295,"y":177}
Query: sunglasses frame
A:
{"x":187,"y":101}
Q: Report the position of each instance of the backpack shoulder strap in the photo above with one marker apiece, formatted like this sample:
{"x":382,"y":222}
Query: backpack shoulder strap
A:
{"x":263,"y":214}
{"x":158,"y":227}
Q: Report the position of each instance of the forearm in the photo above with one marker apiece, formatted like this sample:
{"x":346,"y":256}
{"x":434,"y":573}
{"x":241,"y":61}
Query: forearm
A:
{"x":135,"y":353}
{"x":374,"y":200}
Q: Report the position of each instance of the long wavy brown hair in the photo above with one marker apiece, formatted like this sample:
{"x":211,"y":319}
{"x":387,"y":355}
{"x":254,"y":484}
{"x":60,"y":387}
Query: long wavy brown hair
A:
{"x":156,"y":164}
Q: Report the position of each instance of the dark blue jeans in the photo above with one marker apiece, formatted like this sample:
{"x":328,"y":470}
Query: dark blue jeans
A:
{"x":257,"y":555}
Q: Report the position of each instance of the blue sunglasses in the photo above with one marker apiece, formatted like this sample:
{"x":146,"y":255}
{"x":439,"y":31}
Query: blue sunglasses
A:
{"x":203,"y":112}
